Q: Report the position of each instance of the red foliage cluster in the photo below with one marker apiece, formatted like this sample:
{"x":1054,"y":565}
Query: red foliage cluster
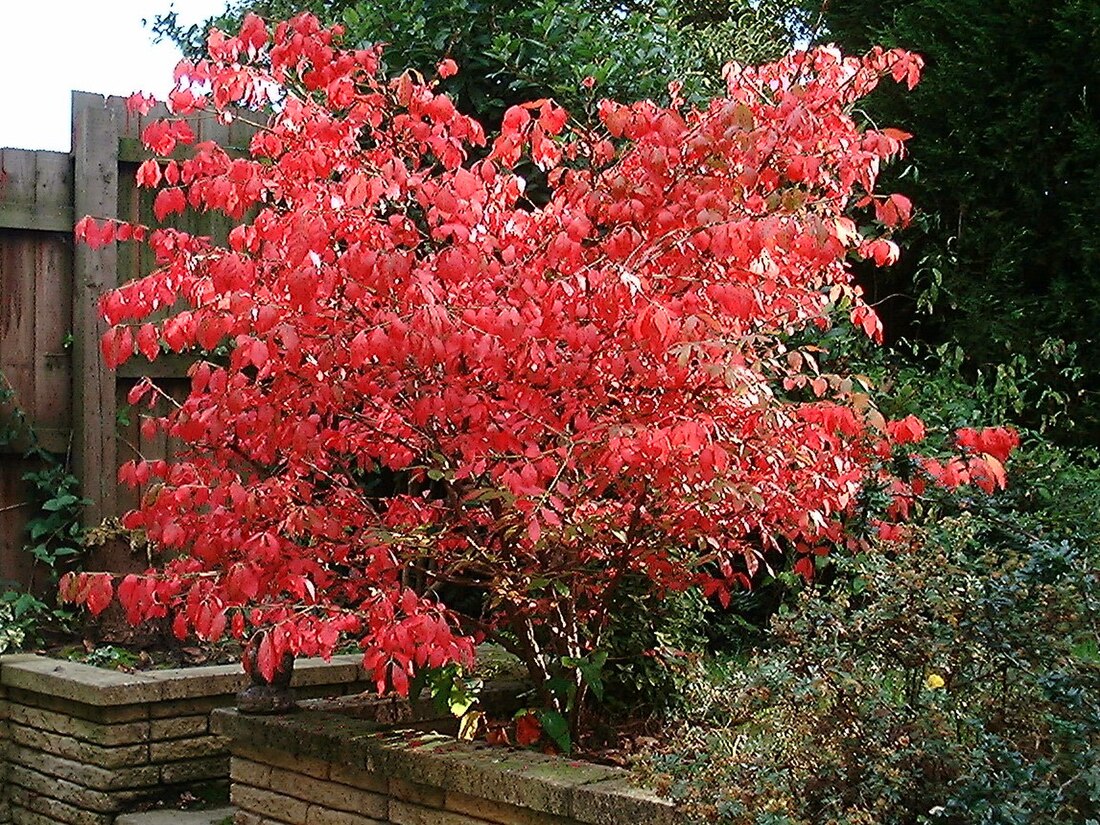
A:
{"x":565,"y":391}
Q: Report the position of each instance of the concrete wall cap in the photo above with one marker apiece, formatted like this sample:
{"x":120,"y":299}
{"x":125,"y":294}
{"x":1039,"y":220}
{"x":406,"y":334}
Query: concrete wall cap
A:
{"x":555,"y":785}
{"x":97,"y":686}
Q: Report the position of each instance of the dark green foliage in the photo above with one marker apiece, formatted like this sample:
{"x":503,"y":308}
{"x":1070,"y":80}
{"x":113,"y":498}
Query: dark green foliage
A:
{"x":956,"y":683}
{"x":511,"y":51}
{"x":1005,"y":172}
{"x":653,"y":646}
{"x":54,"y":532}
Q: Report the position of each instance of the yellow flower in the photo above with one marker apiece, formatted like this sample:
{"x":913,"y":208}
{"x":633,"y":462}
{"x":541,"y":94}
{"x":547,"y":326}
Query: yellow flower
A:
{"x":933,"y":681}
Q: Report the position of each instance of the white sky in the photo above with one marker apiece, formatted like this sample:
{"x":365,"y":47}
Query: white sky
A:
{"x":50,"y":47}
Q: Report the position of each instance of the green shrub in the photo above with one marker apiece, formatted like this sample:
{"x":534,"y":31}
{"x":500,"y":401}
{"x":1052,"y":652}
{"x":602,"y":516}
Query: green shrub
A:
{"x":957,"y":683}
{"x":12,"y":631}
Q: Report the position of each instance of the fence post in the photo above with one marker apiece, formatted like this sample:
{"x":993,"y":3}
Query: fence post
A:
{"x":95,"y":178}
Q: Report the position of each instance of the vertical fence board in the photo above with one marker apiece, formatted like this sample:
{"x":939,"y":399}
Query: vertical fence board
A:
{"x":17,"y":285}
{"x":53,"y":324}
{"x":95,"y":159}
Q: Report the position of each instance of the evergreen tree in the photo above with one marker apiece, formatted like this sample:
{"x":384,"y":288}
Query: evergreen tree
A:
{"x":1004,"y":171}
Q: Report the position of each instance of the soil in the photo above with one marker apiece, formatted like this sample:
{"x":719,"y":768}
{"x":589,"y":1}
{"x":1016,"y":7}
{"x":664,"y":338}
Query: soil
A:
{"x":133,"y":658}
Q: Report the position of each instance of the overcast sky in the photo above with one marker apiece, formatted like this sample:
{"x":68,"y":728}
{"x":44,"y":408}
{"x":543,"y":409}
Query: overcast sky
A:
{"x":50,"y":47}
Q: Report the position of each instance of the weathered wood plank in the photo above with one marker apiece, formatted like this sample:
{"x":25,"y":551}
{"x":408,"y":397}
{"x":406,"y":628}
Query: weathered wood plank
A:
{"x":35,"y":190}
{"x":131,"y":150}
{"x":15,"y":496}
{"x":53,"y":329}
{"x":53,"y":179}
{"x":17,"y":300}
{"x":41,"y":217}
{"x":17,"y":175}
{"x":95,"y":157}
{"x":166,"y":366}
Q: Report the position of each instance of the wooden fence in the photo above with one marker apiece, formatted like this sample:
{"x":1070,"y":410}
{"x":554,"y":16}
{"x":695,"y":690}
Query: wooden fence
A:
{"x":49,"y":324}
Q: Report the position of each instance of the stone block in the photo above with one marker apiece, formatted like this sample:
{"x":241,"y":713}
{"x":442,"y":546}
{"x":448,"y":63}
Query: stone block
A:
{"x":193,"y":748}
{"x":99,"y":733}
{"x":241,"y":817}
{"x":309,"y":766}
{"x":502,"y":813}
{"x":251,"y":773}
{"x":339,"y":670}
{"x":99,"y":687}
{"x":323,"y":793}
{"x":358,"y":778}
{"x":79,"y":682}
{"x":90,"y":776}
{"x":51,"y":787}
{"x":44,"y":810}
{"x":268,"y":803}
{"x":404,"y":813}
{"x":123,"y":756}
{"x":210,"y":816}
{"x":195,"y":706}
{"x":178,"y":727}
{"x":428,"y":796}
{"x":514,"y":777}
{"x":195,"y":770}
{"x":318,"y":815}
{"x":326,"y":736}
{"x":192,"y":682}
{"x":107,"y":714}
{"x":619,"y":801}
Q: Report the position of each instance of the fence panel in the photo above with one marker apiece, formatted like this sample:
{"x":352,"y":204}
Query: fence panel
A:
{"x":49,"y":323}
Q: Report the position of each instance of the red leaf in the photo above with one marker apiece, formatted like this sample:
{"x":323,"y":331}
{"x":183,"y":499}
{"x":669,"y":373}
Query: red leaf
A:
{"x":265,"y":658}
{"x":139,"y":103}
{"x":148,"y":341}
{"x":804,"y":567}
{"x":528,"y":729}
{"x":168,"y":202}
{"x":399,"y":679}
{"x":117,"y":345}
{"x":148,"y":174}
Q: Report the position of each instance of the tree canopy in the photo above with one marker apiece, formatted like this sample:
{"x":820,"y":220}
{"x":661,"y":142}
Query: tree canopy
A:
{"x":510,"y":51}
{"x":1004,"y":171}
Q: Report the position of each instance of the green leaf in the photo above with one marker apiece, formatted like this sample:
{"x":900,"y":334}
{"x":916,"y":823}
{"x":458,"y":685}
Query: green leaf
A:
{"x":59,"y":503}
{"x":562,"y":688}
{"x":557,"y":728}
{"x":1086,"y":651}
{"x":26,"y":603}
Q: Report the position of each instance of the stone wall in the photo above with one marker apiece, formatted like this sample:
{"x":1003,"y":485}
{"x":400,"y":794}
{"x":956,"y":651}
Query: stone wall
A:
{"x":79,"y":745}
{"x":323,"y":767}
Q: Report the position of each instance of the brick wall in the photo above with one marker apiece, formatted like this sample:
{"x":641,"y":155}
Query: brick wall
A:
{"x":79,"y":745}
{"x":323,"y":767}
{"x":5,"y":807}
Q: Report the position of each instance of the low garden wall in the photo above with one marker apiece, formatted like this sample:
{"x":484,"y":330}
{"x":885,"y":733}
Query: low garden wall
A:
{"x":80,"y":744}
{"x":324,"y":766}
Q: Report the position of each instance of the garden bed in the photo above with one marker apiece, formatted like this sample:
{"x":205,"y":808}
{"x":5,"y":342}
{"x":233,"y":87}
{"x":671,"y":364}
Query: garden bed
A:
{"x":368,"y":762}
{"x":80,"y":744}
